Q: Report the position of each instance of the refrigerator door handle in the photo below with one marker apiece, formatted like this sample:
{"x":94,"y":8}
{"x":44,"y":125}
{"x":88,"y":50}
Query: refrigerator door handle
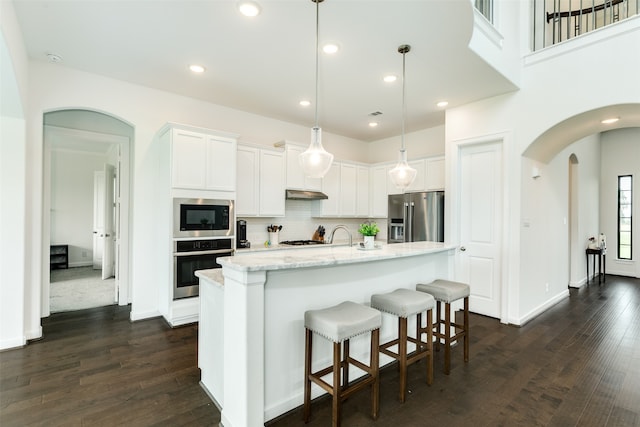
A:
{"x":405,"y":221}
{"x":409,"y":226}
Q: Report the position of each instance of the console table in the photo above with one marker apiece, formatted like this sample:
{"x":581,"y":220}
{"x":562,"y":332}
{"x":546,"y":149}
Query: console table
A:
{"x":601,"y":255}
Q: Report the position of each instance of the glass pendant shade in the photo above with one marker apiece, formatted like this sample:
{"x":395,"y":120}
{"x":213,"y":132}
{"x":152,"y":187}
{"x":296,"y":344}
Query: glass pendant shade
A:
{"x":402,"y":175}
{"x":315,"y":161}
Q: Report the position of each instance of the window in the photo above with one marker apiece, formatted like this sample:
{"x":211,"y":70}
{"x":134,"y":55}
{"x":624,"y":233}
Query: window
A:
{"x":486,"y":8}
{"x":624,"y":216}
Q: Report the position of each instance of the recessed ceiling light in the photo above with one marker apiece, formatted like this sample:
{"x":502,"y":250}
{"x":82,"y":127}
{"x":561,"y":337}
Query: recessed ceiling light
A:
{"x":305,"y":103}
{"x":196,"y":68}
{"x":611,"y":120}
{"x":330,"y":48}
{"x":373,"y":124}
{"x":442,"y":104}
{"x":390,"y":78}
{"x":52,"y":57}
{"x":249,"y":8}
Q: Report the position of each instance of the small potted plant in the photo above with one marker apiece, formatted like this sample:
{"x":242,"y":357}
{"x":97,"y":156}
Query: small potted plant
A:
{"x":369,"y":231}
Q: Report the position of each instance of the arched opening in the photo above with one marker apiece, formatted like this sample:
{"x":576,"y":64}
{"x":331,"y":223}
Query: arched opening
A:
{"x":85,"y":210}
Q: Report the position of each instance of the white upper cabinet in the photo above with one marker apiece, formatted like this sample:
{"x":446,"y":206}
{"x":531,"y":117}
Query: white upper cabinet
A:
{"x":348,"y":190}
{"x":418,"y":183}
{"x":272,"y":183}
{"x":248,"y":172}
{"x":330,"y":187}
{"x":202,"y":161}
{"x":261,"y":182}
{"x":296,"y":180}
{"x":435,"y":174}
{"x":362,"y":191}
{"x":379,"y":199}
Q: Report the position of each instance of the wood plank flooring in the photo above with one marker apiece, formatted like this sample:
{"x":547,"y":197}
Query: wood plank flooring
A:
{"x":578,"y":364}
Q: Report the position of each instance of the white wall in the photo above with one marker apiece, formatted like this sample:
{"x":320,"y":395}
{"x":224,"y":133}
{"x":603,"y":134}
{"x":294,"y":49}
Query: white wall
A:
{"x":620,"y":156}
{"x":72,"y":185}
{"x":558,"y":84}
{"x":13,"y":82}
{"x":544,"y":257}
{"x":423,"y":143}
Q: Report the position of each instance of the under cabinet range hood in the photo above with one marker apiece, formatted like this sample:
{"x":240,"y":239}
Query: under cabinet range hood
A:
{"x":304,"y":195}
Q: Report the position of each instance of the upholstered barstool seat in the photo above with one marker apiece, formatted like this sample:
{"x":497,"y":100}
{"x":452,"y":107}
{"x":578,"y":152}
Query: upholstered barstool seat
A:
{"x":447,"y":292}
{"x":403,"y":303}
{"x":339,"y":324}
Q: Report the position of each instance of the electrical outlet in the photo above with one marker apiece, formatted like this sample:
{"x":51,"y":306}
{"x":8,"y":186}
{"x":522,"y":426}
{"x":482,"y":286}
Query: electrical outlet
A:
{"x":546,"y":287}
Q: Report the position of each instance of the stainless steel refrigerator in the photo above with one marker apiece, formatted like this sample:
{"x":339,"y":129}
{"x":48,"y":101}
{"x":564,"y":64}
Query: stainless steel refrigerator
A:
{"x":416,"y":217}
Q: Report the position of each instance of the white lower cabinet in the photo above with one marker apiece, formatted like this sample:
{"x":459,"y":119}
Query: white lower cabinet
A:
{"x":261,"y":182}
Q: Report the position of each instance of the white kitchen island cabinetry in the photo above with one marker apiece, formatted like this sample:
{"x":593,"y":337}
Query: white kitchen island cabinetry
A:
{"x":261,"y":182}
{"x":202,"y":160}
{"x":252,"y":361}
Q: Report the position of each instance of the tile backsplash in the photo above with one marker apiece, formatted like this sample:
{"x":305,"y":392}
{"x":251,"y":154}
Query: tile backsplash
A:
{"x":298,"y":224}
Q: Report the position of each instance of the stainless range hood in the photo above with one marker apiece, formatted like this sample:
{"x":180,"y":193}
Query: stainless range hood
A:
{"x":304,"y":195}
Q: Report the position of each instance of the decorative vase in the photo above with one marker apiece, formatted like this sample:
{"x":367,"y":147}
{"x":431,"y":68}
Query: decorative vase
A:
{"x":369,"y":242}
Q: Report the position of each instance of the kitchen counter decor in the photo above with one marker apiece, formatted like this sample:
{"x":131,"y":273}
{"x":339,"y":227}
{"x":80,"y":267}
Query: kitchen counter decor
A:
{"x":369,"y":231}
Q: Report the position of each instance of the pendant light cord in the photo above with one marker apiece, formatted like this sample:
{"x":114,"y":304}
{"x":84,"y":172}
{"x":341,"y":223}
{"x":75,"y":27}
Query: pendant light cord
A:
{"x":317,"y":49}
{"x":404,"y":108}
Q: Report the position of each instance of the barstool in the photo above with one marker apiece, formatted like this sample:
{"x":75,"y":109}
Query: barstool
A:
{"x":339,"y":324}
{"x":403,"y":303}
{"x":447,"y":291}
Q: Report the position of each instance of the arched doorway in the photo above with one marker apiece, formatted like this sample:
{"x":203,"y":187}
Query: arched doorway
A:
{"x":77,"y":143}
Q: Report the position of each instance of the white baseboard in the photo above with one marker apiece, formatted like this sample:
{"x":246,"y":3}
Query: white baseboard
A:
{"x":543,"y":307}
{"x":12,"y":343}
{"x":142,"y":315}
{"x":80,"y":264}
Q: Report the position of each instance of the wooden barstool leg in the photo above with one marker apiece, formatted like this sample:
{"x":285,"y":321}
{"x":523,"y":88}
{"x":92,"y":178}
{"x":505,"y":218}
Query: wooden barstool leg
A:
{"x":438,"y":323}
{"x":374,"y":362}
{"x":447,"y":338}
{"x":337,"y":361}
{"x":402,"y":359}
{"x":307,"y":372}
{"x":345,"y":366}
{"x":429,"y":358}
{"x":466,"y":329}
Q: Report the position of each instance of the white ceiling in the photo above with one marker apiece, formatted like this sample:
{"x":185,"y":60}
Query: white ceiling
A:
{"x":265,"y":65}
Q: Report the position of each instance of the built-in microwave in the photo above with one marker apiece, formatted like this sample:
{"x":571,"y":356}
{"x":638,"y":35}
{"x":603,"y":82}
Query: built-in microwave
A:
{"x":203,"y":218}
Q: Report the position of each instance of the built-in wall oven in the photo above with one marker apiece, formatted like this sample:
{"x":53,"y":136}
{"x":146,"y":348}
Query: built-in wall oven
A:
{"x":192,"y":255}
{"x":203,"y":218}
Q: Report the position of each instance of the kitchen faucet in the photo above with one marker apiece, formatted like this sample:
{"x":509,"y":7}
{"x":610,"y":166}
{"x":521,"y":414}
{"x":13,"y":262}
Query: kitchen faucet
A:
{"x":337,"y":227}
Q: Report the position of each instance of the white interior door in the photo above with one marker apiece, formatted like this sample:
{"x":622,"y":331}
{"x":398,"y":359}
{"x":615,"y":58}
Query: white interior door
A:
{"x":108,"y":269}
{"x":481,"y":198}
{"x":98,"y":218}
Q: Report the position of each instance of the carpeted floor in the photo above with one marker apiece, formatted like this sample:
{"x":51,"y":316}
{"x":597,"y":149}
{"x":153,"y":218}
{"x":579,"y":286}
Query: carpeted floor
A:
{"x":79,"y":288}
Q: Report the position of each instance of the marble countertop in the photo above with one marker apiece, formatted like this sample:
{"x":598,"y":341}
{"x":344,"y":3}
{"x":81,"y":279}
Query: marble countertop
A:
{"x":325,"y":255}
{"x":213,"y":275}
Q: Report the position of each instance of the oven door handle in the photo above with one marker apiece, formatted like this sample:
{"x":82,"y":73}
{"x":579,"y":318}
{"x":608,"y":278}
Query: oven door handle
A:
{"x":213,"y":252}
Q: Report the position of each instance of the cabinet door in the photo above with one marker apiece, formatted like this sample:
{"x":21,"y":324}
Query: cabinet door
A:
{"x":331,"y":187}
{"x":362,"y":191}
{"x":348,"y":190}
{"x":248,"y":167}
{"x":188,"y":160}
{"x":272,"y":183}
{"x":379,"y":195}
{"x":221,"y":161}
{"x":295,"y":176}
{"x":418,"y":183}
{"x":435,"y":174}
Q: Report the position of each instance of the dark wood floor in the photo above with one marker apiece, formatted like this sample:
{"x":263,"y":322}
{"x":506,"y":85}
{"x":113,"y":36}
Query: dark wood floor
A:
{"x":578,"y":364}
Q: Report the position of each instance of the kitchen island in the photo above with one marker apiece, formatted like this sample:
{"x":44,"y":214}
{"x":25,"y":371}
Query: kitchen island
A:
{"x":251,"y":334}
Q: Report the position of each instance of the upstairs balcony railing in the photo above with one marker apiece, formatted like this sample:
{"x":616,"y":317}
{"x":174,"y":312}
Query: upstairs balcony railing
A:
{"x":558,"y":20}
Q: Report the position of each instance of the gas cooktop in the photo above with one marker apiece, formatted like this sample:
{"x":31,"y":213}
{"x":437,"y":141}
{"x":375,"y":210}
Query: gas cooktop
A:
{"x":302,"y":242}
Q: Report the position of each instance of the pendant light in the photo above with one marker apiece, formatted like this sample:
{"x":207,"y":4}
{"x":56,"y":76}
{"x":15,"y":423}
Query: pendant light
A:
{"x":315,"y":161}
{"x":403,"y":175}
